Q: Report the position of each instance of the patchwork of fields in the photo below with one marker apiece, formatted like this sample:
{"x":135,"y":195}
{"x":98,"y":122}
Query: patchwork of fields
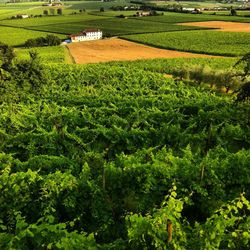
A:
{"x":222,"y":26}
{"x":210,"y":42}
{"x":120,"y":50}
{"x":142,"y":148}
{"x":68,"y":23}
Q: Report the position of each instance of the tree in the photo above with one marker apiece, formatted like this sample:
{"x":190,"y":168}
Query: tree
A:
{"x":52,"y":11}
{"x":45,"y":12}
{"x":59,"y":11}
{"x":29,"y":73}
{"x":244,"y":91}
{"x":52,"y":40}
{"x":6,"y":56}
{"x":101,"y":9}
{"x":233,"y":12}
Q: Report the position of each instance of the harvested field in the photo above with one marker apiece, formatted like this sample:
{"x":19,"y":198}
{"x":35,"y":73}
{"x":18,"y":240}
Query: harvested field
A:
{"x":120,"y":50}
{"x":222,"y":26}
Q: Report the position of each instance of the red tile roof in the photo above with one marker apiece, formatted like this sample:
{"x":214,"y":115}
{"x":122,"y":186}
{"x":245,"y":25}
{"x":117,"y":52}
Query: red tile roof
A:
{"x":84,"y":32}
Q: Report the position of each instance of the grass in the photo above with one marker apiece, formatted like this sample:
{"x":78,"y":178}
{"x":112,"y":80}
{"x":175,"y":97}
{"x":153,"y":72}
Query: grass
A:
{"x":55,"y":54}
{"x":50,"y":20}
{"x":171,"y":17}
{"x":208,"y":42}
{"x":96,"y":5}
{"x":115,"y":27}
{"x":17,"y":36}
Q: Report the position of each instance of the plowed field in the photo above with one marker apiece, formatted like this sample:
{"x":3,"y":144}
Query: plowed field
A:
{"x":222,"y":26}
{"x":119,"y":50}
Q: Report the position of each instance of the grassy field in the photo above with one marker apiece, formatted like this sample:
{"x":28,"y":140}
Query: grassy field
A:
{"x":221,"y":13}
{"x":113,"y":27}
{"x":54,"y":54}
{"x":76,"y":23}
{"x":51,"y":20}
{"x":197,"y":4}
{"x":17,"y":36}
{"x":96,"y":5}
{"x":210,"y":42}
{"x":171,"y":17}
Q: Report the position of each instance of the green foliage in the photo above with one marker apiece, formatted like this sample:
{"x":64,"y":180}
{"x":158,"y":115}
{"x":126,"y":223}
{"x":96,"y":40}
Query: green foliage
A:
{"x":6,"y":56}
{"x":89,"y":154}
{"x":19,"y":36}
{"x":49,"y":40}
{"x":244,"y":91}
{"x":228,"y":227}
{"x":207,"y":42}
{"x":151,"y":231}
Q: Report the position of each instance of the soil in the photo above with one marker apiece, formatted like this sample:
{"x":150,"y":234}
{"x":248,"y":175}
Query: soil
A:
{"x":221,"y":26}
{"x":120,"y":50}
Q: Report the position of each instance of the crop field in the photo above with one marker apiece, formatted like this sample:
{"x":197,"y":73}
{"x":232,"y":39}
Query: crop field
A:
{"x":47,"y":55}
{"x":17,"y":36}
{"x":196,"y":4}
{"x":113,"y":27}
{"x":110,"y":26}
{"x":171,"y":17}
{"x":168,"y":65}
{"x":210,"y":42}
{"x":50,"y":20}
{"x":152,"y":153}
{"x":96,"y":5}
{"x":222,"y":26}
{"x":88,"y":146}
{"x":120,"y":50}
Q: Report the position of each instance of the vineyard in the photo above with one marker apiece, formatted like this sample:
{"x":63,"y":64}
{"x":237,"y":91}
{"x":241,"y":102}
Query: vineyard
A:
{"x":106,"y":157}
{"x":146,"y":154}
{"x":207,"y":42}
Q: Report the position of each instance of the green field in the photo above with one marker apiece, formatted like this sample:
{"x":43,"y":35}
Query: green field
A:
{"x":47,"y":55}
{"x":171,"y":17}
{"x":75,"y":23}
{"x":18,"y":36}
{"x":210,"y":42}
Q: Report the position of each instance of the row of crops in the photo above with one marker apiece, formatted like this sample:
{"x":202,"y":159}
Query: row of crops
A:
{"x":229,"y":44}
{"x":113,"y":157}
{"x":207,"y":42}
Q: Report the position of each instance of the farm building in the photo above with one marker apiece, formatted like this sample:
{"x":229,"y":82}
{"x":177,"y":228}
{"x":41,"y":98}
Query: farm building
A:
{"x":21,"y":16}
{"x":87,"y":35}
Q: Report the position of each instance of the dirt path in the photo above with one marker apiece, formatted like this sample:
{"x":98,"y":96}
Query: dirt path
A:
{"x":222,"y":26}
{"x":120,"y":50}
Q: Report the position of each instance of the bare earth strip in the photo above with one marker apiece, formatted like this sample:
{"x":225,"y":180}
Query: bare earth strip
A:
{"x":120,"y":50}
{"x":222,"y":26}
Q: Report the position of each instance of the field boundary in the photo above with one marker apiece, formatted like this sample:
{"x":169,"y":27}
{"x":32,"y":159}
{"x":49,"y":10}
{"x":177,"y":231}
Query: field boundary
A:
{"x":69,"y":55}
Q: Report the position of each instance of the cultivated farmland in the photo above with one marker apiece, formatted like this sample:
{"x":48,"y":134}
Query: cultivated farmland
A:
{"x":126,"y":155}
{"x":210,"y":42}
{"x":222,"y":26}
{"x":120,"y":50}
{"x":110,"y":26}
{"x":17,"y":36}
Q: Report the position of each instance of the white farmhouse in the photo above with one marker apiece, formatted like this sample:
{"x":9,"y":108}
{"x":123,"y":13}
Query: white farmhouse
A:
{"x":87,"y":35}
